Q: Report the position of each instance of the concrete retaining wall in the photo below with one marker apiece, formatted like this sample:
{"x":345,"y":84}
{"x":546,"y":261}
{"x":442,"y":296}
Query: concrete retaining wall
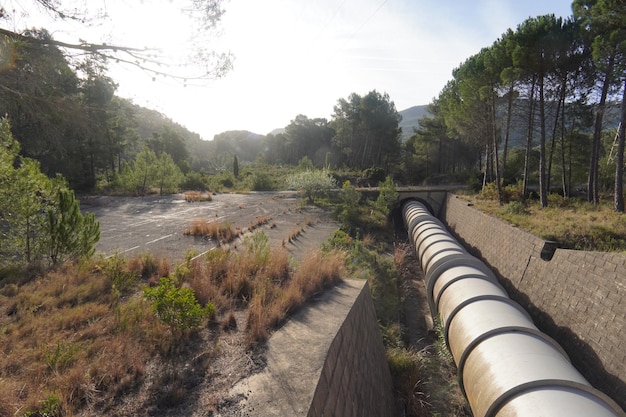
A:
{"x":355,"y":379}
{"x":327,"y":360}
{"x":577,"y":297}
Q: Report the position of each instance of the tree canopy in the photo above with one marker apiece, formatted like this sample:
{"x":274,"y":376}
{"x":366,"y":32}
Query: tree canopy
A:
{"x":202,"y":62}
{"x":545,"y":78}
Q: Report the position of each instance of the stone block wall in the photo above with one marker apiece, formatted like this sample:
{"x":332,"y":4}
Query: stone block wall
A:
{"x":355,"y":379}
{"x":577,"y":297}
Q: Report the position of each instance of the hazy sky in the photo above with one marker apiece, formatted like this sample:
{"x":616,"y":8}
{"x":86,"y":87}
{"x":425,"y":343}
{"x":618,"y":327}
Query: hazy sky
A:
{"x":300,"y":56}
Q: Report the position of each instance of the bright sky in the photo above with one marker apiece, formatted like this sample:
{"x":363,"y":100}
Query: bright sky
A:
{"x":300,"y":56}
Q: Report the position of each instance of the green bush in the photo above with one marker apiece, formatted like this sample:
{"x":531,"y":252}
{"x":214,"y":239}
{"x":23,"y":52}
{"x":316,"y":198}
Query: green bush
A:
{"x":348,"y":210}
{"x":515,"y":207}
{"x":120,"y":278}
{"x":177,"y":307}
{"x":70,"y":234}
{"x":262,"y":182}
{"x":311,"y":183}
{"x":387,"y":196}
{"x":194,"y":181}
{"x":376,"y":174}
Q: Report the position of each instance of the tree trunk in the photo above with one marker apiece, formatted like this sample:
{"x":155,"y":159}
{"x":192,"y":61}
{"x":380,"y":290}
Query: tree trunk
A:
{"x":619,"y":160}
{"x":529,"y":139}
{"x":507,"y":133}
{"x":494,"y":137}
{"x":560,"y":102}
{"x":543,"y":191}
{"x":566,"y":186}
{"x":593,"y":194}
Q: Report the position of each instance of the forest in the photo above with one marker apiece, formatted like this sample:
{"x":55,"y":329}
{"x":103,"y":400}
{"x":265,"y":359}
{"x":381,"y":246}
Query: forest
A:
{"x":539,"y":109}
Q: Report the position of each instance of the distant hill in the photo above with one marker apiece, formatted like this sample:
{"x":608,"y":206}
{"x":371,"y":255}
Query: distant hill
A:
{"x":410,"y":119}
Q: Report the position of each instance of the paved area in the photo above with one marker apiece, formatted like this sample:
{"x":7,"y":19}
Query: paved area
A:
{"x":156,"y":224}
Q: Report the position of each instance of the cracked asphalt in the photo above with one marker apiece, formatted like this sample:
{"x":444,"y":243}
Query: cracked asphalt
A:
{"x":131,"y":226}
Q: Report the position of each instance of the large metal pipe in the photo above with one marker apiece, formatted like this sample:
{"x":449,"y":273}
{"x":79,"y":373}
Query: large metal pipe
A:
{"x":506,"y":366}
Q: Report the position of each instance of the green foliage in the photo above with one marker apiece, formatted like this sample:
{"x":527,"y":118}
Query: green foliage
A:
{"x":516,"y":208}
{"x":339,"y":240}
{"x":223,"y":180}
{"x":120,"y":278}
{"x":367,"y":130}
{"x":39,"y":217}
{"x":150,"y":171}
{"x":71,"y":235}
{"x":194,"y":181}
{"x":376,"y":174}
{"x":177,"y":307}
{"x":311,"y":183}
{"x":305,"y":164}
{"x":258,"y":246}
{"x":348,"y":210}
{"x":512,"y":192}
{"x":387,"y":196}
{"x":61,"y":356}
{"x":168,"y":174}
{"x":236,"y":167}
{"x":262,"y":182}
{"x":50,"y":407}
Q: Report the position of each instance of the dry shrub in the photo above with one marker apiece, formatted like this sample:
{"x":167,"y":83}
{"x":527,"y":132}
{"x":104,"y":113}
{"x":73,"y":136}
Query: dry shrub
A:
{"x":147,"y":266}
{"x":197,"y":196}
{"x":295,"y":234}
{"x":319,"y":271}
{"x":400,"y":254}
{"x":164,"y":268}
{"x":198,"y":228}
{"x":407,"y":368}
{"x":239,"y":284}
{"x":258,"y":321}
{"x":81,"y":316}
{"x":222,"y":232}
{"x":230,"y":323}
{"x":217,"y":264}
{"x":277,"y":267}
{"x":204,"y":289}
{"x":272,"y":304}
{"x":368,"y":240}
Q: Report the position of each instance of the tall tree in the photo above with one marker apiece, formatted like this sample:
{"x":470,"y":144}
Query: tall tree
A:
{"x":538,"y":42}
{"x":39,"y":217}
{"x":599,"y":21}
{"x":310,"y":138}
{"x":367,"y":130}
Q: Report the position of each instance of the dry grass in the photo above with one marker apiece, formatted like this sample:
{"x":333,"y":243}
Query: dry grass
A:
{"x":223,"y":233}
{"x":70,"y":346}
{"x":295,"y":234}
{"x":575,"y":224}
{"x":83,"y":338}
{"x":197,"y":196}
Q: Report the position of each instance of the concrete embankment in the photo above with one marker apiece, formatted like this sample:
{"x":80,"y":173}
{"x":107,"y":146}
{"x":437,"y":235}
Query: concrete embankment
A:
{"x":328,"y":360}
{"x":577,"y":297}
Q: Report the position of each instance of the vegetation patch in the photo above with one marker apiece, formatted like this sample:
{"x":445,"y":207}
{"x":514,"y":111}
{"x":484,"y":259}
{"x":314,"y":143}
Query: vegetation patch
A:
{"x":197,"y":196}
{"x":572,"y":222}
{"x":91,"y":336}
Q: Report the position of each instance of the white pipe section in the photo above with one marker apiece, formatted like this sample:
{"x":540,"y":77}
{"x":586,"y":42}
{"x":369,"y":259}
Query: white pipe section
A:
{"x":507,"y":367}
